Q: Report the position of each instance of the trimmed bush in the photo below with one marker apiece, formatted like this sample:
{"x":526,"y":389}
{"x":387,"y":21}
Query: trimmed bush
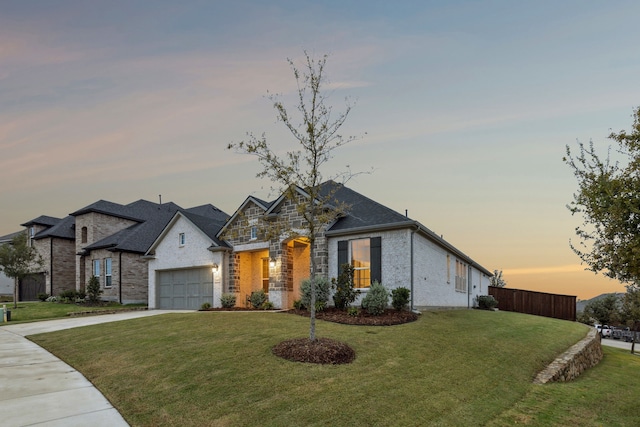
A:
{"x":344,"y":293}
{"x":400,"y":298}
{"x":323,"y":288}
{"x":42,"y":296}
{"x":486,"y":302}
{"x":257,"y":298}
{"x":376,"y":300}
{"x":228,"y":300}
{"x":93,"y":289}
{"x":205,"y":306}
{"x":267,"y":305}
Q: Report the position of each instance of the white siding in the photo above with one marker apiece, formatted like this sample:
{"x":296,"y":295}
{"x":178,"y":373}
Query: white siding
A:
{"x":432,"y":286}
{"x":169,"y":255}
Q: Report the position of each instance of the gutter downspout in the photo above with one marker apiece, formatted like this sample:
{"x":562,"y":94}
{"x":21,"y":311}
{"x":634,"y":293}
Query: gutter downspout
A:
{"x":412,"y":307}
{"x":120,"y":277}
{"x":50,"y":267}
{"x":469,"y":282}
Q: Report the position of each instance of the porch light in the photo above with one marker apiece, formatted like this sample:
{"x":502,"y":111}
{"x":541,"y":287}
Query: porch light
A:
{"x":214,"y":268}
{"x":272,"y":262}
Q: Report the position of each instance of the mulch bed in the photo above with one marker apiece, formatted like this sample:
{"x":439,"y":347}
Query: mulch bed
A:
{"x":324,"y":351}
{"x":388,"y":318}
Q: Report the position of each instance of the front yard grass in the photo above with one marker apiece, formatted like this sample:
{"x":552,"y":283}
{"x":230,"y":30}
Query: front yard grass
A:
{"x":453,"y":368}
{"x":34,"y":311}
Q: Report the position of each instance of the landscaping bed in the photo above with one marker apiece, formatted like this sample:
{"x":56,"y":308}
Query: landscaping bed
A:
{"x":388,"y":318}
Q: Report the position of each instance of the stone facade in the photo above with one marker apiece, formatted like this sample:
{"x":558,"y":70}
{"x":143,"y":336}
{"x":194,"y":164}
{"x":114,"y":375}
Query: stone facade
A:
{"x":283,"y":235}
{"x":570,"y":364}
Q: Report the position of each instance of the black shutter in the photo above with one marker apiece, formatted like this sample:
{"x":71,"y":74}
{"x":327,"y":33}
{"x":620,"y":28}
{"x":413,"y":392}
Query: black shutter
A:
{"x":376,"y":259}
{"x":343,"y":254}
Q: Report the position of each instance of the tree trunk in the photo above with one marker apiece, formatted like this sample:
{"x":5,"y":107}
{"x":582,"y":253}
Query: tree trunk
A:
{"x":16,"y":283}
{"x":312,"y":309}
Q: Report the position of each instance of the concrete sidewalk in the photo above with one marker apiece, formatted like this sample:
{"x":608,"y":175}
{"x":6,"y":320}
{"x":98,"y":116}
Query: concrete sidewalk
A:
{"x":37,"y":388}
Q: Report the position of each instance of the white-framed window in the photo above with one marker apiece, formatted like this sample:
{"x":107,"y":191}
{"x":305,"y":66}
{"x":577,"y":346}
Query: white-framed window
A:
{"x":461,"y":276}
{"x":448,"y":268}
{"x":360,"y":256}
{"x":96,"y":268}
{"x":254,"y":232}
{"x":107,"y":272}
{"x":32,"y":231}
{"x":182,"y":239}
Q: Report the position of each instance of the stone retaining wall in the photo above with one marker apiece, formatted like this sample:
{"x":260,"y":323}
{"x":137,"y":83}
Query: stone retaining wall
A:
{"x":580,"y":357}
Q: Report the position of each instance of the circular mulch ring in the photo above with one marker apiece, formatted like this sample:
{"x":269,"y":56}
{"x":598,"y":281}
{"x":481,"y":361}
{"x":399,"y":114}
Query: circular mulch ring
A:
{"x":324,"y":351}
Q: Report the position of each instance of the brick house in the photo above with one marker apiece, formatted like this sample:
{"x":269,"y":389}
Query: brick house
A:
{"x":107,"y":240}
{"x":380,"y":243}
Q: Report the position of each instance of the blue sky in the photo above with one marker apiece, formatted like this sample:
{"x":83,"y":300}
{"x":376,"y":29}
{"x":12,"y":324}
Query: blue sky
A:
{"x":467,"y":108}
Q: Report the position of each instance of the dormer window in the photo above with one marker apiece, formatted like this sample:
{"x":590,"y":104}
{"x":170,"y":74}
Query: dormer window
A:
{"x":181,"y":239}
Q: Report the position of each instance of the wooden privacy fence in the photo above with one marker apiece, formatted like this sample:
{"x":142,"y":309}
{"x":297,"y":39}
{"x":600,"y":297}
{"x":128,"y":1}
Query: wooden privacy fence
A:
{"x":538,"y":303}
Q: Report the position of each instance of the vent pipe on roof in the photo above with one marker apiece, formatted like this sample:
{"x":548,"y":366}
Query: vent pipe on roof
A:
{"x":406,"y":213}
{"x":160,"y":197}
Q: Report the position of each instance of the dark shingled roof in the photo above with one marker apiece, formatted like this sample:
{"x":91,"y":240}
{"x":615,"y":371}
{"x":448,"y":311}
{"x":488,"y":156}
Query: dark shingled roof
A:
{"x":64,"y":229}
{"x":48,"y":221}
{"x":151,"y":219}
{"x":209,"y":226}
{"x":9,"y":237}
{"x":362,"y":212}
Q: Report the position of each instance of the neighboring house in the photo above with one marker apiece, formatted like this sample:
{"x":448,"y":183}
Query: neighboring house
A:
{"x":53,"y":238}
{"x":107,"y":240}
{"x":7,"y":283}
{"x":380,"y":243}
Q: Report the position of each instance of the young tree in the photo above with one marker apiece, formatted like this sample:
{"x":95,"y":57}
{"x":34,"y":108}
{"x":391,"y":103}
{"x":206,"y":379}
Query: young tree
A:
{"x":497,"y":279}
{"x":18,"y":260}
{"x":316,"y":132}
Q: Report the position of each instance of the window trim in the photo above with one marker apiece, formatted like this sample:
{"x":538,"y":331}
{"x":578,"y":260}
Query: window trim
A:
{"x":108,"y":276}
{"x":461,"y":276}
{"x":182,"y":239}
{"x":96,"y":268}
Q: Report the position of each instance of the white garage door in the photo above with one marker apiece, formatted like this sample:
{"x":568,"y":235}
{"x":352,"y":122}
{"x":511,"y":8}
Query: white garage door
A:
{"x":185,"y":289}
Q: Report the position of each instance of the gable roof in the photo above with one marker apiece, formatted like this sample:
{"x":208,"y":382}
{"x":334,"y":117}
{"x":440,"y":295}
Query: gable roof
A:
{"x":64,"y":229}
{"x":210,"y":226}
{"x":258,"y":202}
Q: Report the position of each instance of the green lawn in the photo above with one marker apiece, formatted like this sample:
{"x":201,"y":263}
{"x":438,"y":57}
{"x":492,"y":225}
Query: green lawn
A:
{"x":452,"y":368}
{"x":33,"y":311}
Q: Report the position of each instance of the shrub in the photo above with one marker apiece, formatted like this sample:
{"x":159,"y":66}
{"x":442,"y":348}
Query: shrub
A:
{"x":400,"y":298}
{"x":42,"y":296}
{"x":93,"y":289}
{"x":353,"y":311}
{"x":257,"y":298}
{"x":81,"y":295}
{"x":267,"y":305}
{"x":297,"y":304}
{"x":67,"y":296}
{"x":486,"y":302}
{"x":376,"y":300}
{"x":52,"y":299}
{"x":205,"y":306}
{"x":323,"y":288}
{"x":228,"y":300}
{"x":344,"y":293}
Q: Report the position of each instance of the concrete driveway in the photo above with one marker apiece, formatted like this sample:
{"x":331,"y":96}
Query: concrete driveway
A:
{"x":37,"y":388}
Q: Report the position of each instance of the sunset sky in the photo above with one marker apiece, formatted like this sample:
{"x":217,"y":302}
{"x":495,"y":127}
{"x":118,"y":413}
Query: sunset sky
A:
{"x":464,"y":109}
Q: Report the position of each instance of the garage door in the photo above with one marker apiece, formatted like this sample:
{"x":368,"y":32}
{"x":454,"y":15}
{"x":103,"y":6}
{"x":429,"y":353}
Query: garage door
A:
{"x":185,"y":289}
